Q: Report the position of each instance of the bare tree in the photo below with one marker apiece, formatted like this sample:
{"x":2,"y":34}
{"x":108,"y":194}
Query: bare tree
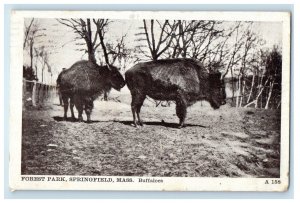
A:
{"x":199,"y":43}
{"x":32,"y":33}
{"x":83,"y":29}
{"x":273,"y":72}
{"x":185,"y":37}
{"x":28,"y":32}
{"x":157,"y":42}
{"x":235,"y":51}
{"x":42,"y":55}
{"x":249,"y":43}
{"x":101,"y":25}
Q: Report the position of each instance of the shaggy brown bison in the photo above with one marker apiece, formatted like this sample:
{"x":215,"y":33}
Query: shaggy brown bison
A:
{"x":181,"y":80}
{"x":83,"y":83}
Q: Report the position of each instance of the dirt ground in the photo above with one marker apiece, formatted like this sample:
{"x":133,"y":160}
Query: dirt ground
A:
{"x":229,"y":142}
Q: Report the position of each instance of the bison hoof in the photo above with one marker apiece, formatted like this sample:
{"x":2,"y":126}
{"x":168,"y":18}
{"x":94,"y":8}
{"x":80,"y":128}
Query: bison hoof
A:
{"x":65,"y":118}
{"x":89,"y":121}
{"x":141,"y":123}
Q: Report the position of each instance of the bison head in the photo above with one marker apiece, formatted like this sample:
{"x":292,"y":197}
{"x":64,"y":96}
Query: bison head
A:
{"x":115,"y":78}
{"x":217,"y":95}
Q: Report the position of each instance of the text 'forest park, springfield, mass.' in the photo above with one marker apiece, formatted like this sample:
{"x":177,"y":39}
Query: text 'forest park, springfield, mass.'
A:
{"x":91,"y":179}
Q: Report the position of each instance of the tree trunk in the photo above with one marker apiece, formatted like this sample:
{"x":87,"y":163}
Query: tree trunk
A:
{"x":91,"y":55}
{"x":239,"y":92}
{"x":251,"y":89}
{"x":91,"y":51}
{"x":89,"y":43}
{"x":103,"y":47}
{"x":34,"y":94}
{"x":243,"y":92}
{"x":232,"y":83}
{"x":42,"y":74}
{"x":183,"y":41}
{"x":152,"y":36}
{"x":31,"y":54}
{"x":260,"y":89}
{"x":269,"y":94}
{"x":101,"y":37}
{"x":154,"y":56}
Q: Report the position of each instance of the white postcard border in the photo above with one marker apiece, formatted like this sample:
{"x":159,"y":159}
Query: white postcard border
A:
{"x":169,"y":184}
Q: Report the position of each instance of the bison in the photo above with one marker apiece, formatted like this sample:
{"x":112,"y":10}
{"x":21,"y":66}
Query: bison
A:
{"x":184,"y":81}
{"x":83,"y":83}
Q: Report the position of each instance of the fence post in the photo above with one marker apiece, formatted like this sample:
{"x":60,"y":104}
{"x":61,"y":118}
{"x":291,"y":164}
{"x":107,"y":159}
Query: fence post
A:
{"x":34,"y":94}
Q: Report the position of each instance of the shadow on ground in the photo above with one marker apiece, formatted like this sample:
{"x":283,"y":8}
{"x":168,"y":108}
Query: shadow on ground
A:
{"x":162,"y":123}
{"x":129,"y":123}
{"x":69,"y":119}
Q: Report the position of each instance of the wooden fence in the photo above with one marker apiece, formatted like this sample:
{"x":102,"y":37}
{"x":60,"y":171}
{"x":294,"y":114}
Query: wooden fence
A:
{"x":37,"y":94}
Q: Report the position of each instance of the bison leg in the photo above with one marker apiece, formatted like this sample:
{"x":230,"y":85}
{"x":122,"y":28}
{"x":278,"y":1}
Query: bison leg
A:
{"x":72,"y":108}
{"x":138,"y":109}
{"x":136,"y":105}
{"x":105,"y":96}
{"x":79,"y":106}
{"x":133,"y":115}
{"x":66,"y":105}
{"x":60,"y":99}
{"x":80,"y":111}
{"x":181,"y":112}
{"x":88,"y":110}
{"x":88,"y":115}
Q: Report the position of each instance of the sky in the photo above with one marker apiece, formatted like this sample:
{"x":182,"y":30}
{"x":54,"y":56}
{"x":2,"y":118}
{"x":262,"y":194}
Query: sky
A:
{"x":60,"y":40}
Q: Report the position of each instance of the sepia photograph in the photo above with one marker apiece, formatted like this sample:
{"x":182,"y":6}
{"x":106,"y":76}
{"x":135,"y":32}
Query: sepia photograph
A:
{"x":174,"y":101}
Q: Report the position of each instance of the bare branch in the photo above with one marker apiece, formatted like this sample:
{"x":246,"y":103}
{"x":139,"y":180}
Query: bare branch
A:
{"x":147,"y":36}
{"x":152,"y":36}
{"x":27,"y":30}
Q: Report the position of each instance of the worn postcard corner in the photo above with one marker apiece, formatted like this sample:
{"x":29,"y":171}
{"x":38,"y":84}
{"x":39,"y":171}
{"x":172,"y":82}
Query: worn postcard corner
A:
{"x":149,"y":101}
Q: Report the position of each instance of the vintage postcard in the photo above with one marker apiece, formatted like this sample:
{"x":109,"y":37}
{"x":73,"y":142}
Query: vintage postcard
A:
{"x":154,"y":101}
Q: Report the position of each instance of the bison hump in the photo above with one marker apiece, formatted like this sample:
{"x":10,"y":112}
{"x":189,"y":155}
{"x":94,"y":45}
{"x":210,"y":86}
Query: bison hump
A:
{"x":181,"y":75}
{"x":82,"y":77}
